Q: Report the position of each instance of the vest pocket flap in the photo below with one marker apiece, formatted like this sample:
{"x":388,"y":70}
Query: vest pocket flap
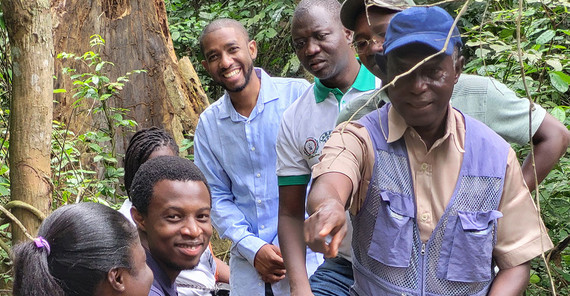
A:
{"x":477,"y":221}
{"x":392,"y":239}
{"x":399,"y":204}
{"x":467,"y":248}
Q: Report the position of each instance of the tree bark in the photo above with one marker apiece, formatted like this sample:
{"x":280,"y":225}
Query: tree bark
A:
{"x":137,"y":37}
{"x":29,"y":26}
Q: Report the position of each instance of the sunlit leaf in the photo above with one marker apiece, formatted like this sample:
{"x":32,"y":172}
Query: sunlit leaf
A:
{"x":559,"y":80}
{"x":545,"y":37}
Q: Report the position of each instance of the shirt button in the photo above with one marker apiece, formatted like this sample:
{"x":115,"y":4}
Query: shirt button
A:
{"x":424,"y":166}
{"x":262,"y":226}
{"x":425,"y":217}
{"x":248,"y":122}
{"x":260,"y":284}
{"x":252,"y":148}
{"x":258,"y":175}
{"x":259,"y":201}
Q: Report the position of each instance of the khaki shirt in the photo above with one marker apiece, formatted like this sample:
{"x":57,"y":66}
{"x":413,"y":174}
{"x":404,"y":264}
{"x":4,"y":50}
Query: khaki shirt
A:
{"x":521,"y":234}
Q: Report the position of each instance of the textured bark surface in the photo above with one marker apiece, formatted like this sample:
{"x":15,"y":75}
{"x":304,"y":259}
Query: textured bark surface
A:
{"x":137,"y":37}
{"x":29,"y":29}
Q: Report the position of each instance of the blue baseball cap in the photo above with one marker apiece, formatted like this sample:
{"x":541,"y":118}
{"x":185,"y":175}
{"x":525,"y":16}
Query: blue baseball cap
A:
{"x":426,"y":25}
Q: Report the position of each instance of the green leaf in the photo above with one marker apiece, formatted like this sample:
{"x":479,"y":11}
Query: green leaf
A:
{"x":99,"y":66}
{"x":175,"y":36}
{"x":545,"y":37}
{"x":558,"y":113}
{"x":270,"y":33}
{"x":555,"y":64}
{"x":59,"y":90}
{"x":4,"y":191}
{"x":560,"y":81}
{"x":534,"y":279}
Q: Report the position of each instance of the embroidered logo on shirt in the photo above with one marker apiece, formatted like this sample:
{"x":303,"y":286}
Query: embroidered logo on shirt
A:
{"x":311,"y":147}
{"x":325,"y":136}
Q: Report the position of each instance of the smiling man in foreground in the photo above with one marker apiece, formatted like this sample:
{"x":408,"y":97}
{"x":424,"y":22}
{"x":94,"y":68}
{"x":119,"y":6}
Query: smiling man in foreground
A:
{"x":171,"y":207}
{"x":435,"y":196}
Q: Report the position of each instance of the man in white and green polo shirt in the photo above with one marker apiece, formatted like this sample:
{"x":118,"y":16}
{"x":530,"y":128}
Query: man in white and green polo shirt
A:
{"x":322,"y":45}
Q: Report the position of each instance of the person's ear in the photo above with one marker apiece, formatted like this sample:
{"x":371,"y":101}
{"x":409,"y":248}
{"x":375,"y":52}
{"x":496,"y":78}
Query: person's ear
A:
{"x":138,"y":218}
{"x":252,"y":47}
{"x":459,"y":63}
{"x":382,"y":62}
{"x":348,"y":34}
{"x":205,"y":65}
{"x":116,"y":278}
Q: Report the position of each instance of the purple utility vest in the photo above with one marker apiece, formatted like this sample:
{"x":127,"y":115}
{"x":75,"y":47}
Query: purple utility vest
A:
{"x":389,"y":257}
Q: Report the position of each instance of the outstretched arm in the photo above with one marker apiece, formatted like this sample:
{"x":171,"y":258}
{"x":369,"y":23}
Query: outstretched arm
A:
{"x":550,"y":142}
{"x":290,"y":230}
{"x":327,"y":204}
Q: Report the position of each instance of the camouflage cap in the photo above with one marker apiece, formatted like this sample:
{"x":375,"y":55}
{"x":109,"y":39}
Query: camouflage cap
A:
{"x":352,"y":8}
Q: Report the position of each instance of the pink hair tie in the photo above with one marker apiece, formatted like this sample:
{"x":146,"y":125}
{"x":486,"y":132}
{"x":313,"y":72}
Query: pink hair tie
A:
{"x":42,"y":243}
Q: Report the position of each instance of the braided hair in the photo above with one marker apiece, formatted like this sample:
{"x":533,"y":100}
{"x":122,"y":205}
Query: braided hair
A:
{"x":142,"y":145}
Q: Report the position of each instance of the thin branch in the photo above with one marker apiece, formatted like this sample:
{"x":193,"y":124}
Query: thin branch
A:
{"x":530,"y":107}
{"x":26,"y":206}
{"x":4,"y":246}
{"x":16,"y":221}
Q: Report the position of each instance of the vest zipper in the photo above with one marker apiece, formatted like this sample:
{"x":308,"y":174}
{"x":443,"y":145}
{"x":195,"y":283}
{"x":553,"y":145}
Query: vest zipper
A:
{"x":423,"y":257}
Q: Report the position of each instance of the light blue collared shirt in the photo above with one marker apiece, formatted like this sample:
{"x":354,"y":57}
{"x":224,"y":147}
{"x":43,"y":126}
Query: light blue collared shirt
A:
{"x":237,"y":155}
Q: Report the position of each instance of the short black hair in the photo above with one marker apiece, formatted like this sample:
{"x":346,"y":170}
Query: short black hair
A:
{"x":332,"y":6}
{"x":218,"y":24}
{"x":142,"y":145}
{"x":171,"y":168}
{"x":87,"y":240}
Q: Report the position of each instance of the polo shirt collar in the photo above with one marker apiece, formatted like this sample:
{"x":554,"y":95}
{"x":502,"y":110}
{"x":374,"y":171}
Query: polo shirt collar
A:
{"x":267,"y":93}
{"x":397,"y":127}
{"x":364,"y":81}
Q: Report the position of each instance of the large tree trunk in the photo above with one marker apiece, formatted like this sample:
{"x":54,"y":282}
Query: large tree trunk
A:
{"x":169,"y":95}
{"x":29,"y":27}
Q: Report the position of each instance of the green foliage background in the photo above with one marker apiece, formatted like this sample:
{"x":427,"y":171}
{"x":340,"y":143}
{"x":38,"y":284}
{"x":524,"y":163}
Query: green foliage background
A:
{"x":489,"y":34}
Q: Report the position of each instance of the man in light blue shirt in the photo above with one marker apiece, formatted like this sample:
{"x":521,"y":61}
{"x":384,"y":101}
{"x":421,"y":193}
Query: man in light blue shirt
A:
{"x":235,"y":148}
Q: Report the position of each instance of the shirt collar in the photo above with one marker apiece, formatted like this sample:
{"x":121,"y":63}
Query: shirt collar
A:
{"x":267,"y":93}
{"x":397,"y":127}
{"x":364,"y":81}
{"x":160,"y":277}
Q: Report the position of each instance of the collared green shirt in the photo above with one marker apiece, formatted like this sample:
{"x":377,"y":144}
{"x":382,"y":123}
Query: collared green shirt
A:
{"x":301,"y":137}
{"x":364,"y":81}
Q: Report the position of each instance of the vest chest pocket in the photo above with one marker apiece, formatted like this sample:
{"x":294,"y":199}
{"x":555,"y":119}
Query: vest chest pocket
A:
{"x":392,"y":239}
{"x":467,"y":249}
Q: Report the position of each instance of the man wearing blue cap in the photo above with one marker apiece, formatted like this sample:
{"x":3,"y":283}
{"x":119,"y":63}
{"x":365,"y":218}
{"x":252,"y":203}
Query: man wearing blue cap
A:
{"x":435,"y":196}
{"x":483,"y":98}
